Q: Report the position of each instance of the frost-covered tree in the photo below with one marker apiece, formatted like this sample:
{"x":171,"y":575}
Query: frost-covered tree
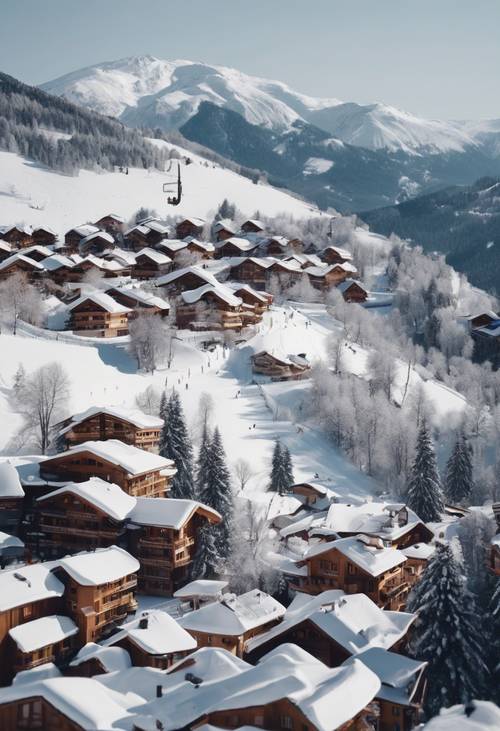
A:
{"x":202,"y":465}
{"x":459,"y":484}
{"x":19,"y":300}
{"x":281,"y":468}
{"x":475,"y":533}
{"x":149,"y":401}
{"x":493,"y":620}
{"x":175,"y":444}
{"x":217,"y":492}
{"x":424,"y":489}
{"x":206,"y":559}
{"x":149,"y":338}
{"x":287,"y":466}
{"x":446,"y":633}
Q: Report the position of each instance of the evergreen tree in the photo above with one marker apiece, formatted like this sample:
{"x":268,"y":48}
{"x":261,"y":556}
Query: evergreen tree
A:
{"x":458,"y":484}
{"x":202,"y":465}
{"x":424,"y":490}
{"x":493,"y":618}
{"x":19,"y":380}
{"x":218,"y":493}
{"x":281,"y":469}
{"x":446,"y":633}
{"x":206,"y":558}
{"x":175,"y":444}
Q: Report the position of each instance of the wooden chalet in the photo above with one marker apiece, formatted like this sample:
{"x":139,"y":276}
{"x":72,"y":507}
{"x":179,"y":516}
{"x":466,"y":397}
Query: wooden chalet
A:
{"x":335,"y":255}
{"x":252,"y":226}
{"x":74,"y":236}
{"x":210,"y":307}
{"x":139,"y":301}
{"x":280,"y":367}
{"x":252,"y":271}
{"x":188,"y":278}
{"x":93,"y":659}
{"x":325,"y":277}
{"x":112,"y":422}
{"x":37,"y":252}
{"x":260,"y":301}
{"x":150,"y":263}
{"x":233,"y":621}
{"x":224,"y":230}
{"x":6,"y":250}
{"x":277,"y":246}
{"x":417,"y":558}
{"x":21,"y":264}
{"x":354,"y":565}
{"x":202,"y":249}
{"x":51,"y":639}
{"x":155,"y":639}
{"x":11,"y":498}
{"x":495,"y":548}
{"x":44,"y":236}
{"x":189,"y":227}
{"x":482,"y":319}
{"x":311,"y":492}
{"x":79,"y":517}
{"x":17,"y":236}
{"x":96,"y":243}
{"x":98,"y":315}
{"x":138,"y":237}
{"x":287,"y":272}
{"x":353,"y":291}
{"x":137,"y":472}
{"x":111,"y":223}
{"x":163,"y":537}
{"x":235,"y":246}
{"x":103,"y":267}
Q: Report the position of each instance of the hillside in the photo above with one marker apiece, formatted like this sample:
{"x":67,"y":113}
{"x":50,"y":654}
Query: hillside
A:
{"x":462,"y":222}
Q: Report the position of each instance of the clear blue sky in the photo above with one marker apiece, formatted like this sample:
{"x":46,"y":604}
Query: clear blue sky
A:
{"x":437,"y":58}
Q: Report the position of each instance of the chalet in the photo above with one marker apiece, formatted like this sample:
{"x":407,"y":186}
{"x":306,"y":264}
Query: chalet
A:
{"x":203,"y":249}
{"x":18,"y":236}
{"x":353,"y":291}
{"x":235,"y":246}
{"x":139,"y":300}
{"x":96,"y":243}
{"x":138,"y":237}
{"x":333,"y":627}
{"x":280,"y":367}
{"x":305,"y":260}
{"x":91,"y":263}
{"x":150,"y":263}
{"x":47,"y":639}
{"x":94,"y":659}
{"x":287,"y":272}
{"x":495,"y":555}
{"x":185,"y":279}
{"x":276,"y":246}
{"x":360,"y":564}
{"x":78,"y":517}
{"x":99,"y":590}
{"x":137,"y":472}
{"x":11,"y":497}
{"x":112,"y":422}
{"x":172,"y":247}
{"x":210,"y":307}
{"x":154,"y":639}
{"x":26,"y":593}
{"x":73,"y":237}
{"x":6,"y":250}
{"x":124,"y":257}
{"x":189,"y":227}
{"x":335,"y":255}
{"x":252,"y":271}
{"x":312,"y":492}
{"x":44,"y":236}
{"x":252,"y":226}
{"x":296,"y":245}
{"x":325,"y":277}
{"x":98,"y":315}
{"x":260,"y":301}
{"x":59,"y":268}
{"x":200,"y":592}
{"x":164,"y":536}
{"x":37,"y":252}
{"x":234,"y":620}
{"x":111,"y":223}
{"x":20,"y":264}
{"x":482,"y":319}
{"x":417,"y":558}
{"x":224,"y":229}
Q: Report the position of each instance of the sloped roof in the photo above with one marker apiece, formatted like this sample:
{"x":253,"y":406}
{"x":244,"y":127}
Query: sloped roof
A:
{"x":28,"y":584}
{"x":167,"y":512}
{"x":10,"y":484}
{"x":20,"y":257}
{"x":397,"y":673}
{"x":178,"y":273}
{"x":154,"y":255}
{"x":101,"y":300}
{"x":374,"y":561}
{"x":162,"y":636}
{"x":201,"y":588}
{"x":93,"y":568}
{"x":111,"y":658}
{"x":105,"y":496}
{"x":41,"y":632}
{"x":218,"y":290}
{"x":134,"y":416}
{"x":140,"y":295}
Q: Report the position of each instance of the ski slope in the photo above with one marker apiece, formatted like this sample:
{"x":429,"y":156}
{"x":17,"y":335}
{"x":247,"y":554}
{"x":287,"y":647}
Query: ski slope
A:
{"x":34,"y":195}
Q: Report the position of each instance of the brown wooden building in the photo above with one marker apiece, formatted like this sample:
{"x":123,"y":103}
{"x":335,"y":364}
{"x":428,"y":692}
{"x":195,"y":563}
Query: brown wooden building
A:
{"x":224,"y":230}
{"x":163,"y":537}
{"x":98,"y":315}
{"x":47,"y":639}
{"x":335,"y":255}
{"x":189,"y":227}
{"x":137,"y":472}
{"x":210,"y":307}
{"x":18,"y":236}
{"x":186,"y":279}
{"x":11,"y":498}
{"x":20,"y":264}
{"x":252,"y":226}
{"x":252,"y":271}
{"x":495,"y":555}
{"x":235,"y":246}
{"x":353,"y":291}
{"x":280,"y":367}
{"x":96,"y":243}
{"x":73,"y":237}
{"x":111,"y":222}
{"x":260,"y":301}
{"x":99,"y":423}
{"x":150,"y":263}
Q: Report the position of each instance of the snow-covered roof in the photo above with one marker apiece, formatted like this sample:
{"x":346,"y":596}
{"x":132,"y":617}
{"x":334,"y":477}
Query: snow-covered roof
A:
{"x":8,"y":541}
{"x":56,"y":261}
{"x":140,"y":295}
{"x":234,"y":615}
{"x":173,"y":245}
{"x":10,"y":484}
{"x":154,"y":255}
{"x":204,"y":245}
{"x":341,"y":252}
{"x":198,"y":271}
{"x":192,"y":219}
{"x":218,"y":290}
{"x":37,"y":249}
{"x":247,"y":288}
{"x":5,"y":246}
{"x":86,"y":229}
{"x":162,"y":636}
{"x":346,"y":266}
{"x":133,"y":416}
{"x":255,"y":222}
{"x":238,"y":243}
{"x":92,"y":568}
{"x":353,"y":621}
{"x":118,"y":219}
{"x":97,"y":235}
{"x":132,"y":459}
{"x":347,"y":283}
{"x":397,"y":673}
{"x":20,"y":257}
{"x":226,"y":225}
{"x":111,"y":658}
{"x":28,"y":584}
{"x":488,"y":313}
{"x":201,"y":588}
{"x":167,"y":512}
{"x":280,"y":240}
{"x":481,"y":716}
{"x":105,"y":496}
{"x":110,"y":266}
{"x":41,"y":632}
{"x":155,"y":225}
{"x":373,"y":560}
{"x":101,"y":300}
{"x":122,"y":255}
{"x":16,"y":227}
{"x":86,"y":702}
{"x":282,"y":357}
{"x":375,"y":518}
{"x":40,"y":672}
{"x":419,"y":550}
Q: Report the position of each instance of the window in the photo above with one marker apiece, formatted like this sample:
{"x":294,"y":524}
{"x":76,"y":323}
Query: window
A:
{"x":286,"y":722}
{"x":259,"y":720}
{"x":396,"y":711}
{"x":27,"y":611}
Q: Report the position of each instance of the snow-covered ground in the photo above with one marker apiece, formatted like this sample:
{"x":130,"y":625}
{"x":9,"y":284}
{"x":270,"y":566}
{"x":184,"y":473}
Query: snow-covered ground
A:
{"x":34,"y":195}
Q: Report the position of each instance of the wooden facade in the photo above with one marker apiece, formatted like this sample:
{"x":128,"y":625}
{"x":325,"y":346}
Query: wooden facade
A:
{"x":34,"y":714}
{"x":80,"y":466}
{"x":146,"y":267}
{"x":103,"y":425}
{"x":137,"y":303}
{"x":327,"y":279}
{"x":235,"y":644}
{"x":92,"y":319}
{"x":187,"y":228}
{"x":251,"y":271}
{"x":278,"y":368}
{"x":335,"y":255}
{"x":495,"y":556}
{"x":354,"y":293}
{"x":21,"y":265}
{"x":111,"y":223}
{"x":185,"y":282}
{"x":18,"y":237}
{"x":56,"y":652}
{"x":209,"y":312}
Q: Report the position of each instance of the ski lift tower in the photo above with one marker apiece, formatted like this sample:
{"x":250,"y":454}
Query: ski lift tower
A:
{"x":174,"y":186}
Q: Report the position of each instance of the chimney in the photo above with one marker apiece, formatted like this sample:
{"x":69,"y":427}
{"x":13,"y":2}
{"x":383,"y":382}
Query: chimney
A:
{"x":159,"y":691}
{"x":469,"y":708}
{"x":143,"y":623}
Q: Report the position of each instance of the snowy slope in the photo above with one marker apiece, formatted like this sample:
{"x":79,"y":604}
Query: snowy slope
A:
{"x":148,"y":91}
{"x":36,"y":195}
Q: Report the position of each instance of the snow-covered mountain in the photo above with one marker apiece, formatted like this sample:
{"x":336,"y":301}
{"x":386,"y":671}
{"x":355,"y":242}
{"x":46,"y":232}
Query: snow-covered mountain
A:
{"x":147,"y":91}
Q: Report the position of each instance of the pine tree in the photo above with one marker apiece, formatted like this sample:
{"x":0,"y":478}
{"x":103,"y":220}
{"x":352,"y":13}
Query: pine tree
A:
{"x":202,"y":465}
{"x":287,"y":467}
{"x":175,"y":444}
{"x":206,"y":558}
{"x":19,"y":380}
{"x":424,"y":490}
{"x":218,"y":493}
{"x":458,"y":480}
{"x":493,"y":619}
{"x":447,"y":634}
{"x":274,"y":482}
{"x":281,"y":469}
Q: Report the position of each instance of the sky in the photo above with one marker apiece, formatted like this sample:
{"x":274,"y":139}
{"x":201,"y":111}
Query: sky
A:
{"x":435,"y":58}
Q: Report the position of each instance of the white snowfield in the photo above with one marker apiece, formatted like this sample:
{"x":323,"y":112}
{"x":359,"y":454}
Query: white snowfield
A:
{"x":480,"y":716}
{"x":38,"y":196}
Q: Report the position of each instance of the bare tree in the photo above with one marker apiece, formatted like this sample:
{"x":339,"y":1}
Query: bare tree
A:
{"x":205,"y":410}
{"x":149,"y":401}
{"x":41,"y":400}
{"x":150,"y":342}
{"x":243,"y":472}
{"x":19,"y":300}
